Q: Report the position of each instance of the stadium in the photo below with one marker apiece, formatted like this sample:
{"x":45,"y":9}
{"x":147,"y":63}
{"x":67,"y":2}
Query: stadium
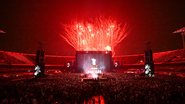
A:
{"x":91,"y":57}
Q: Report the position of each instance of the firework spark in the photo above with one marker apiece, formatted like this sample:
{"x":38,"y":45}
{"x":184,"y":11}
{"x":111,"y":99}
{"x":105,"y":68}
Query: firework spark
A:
{"x":99,"y":34}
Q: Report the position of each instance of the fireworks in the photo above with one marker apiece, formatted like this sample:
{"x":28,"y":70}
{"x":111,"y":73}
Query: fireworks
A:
{"x":98,"y":34}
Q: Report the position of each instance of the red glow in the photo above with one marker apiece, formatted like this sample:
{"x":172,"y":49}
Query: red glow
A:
{"x":101,"y":34}
{"x":1,"y":31}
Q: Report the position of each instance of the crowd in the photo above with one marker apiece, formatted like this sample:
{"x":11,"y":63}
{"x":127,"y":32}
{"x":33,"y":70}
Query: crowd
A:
{"x":68,"y":88}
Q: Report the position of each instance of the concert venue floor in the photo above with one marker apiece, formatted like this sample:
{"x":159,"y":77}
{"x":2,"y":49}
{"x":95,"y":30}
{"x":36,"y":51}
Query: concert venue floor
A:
{"x":58,"y":87}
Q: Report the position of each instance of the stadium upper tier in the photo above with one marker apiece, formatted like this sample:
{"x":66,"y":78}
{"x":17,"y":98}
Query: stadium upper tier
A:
{"x":9,"y":58}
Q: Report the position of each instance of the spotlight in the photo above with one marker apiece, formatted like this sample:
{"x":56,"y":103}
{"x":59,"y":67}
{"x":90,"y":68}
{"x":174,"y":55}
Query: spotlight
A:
{"x":39,"y":62}
{"x":116,"y":64}
{"x":94,"y":75}
{"x":141,"y":61}
{"x":68,"y":64}
{"x":37,"y":71}
{"x":148,"y":70}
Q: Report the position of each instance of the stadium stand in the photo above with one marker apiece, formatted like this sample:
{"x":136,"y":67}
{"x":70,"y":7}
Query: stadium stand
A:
{"x":8,"y":58}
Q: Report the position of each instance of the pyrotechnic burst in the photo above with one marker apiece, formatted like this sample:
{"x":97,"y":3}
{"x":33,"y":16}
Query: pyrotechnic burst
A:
{"x":98,"y":34}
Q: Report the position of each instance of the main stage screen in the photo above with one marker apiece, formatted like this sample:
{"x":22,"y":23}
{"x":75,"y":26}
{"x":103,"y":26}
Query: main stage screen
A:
{"x":93,"y":60}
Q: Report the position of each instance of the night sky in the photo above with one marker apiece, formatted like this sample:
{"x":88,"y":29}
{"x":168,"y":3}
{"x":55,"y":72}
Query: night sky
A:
{"x":28,"y":21}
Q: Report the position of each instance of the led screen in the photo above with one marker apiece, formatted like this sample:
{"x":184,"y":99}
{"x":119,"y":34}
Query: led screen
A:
{"x":87,"y":60}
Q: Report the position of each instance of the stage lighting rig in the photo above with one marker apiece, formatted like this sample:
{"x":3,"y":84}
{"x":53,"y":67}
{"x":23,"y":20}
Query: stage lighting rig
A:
{"x":149,"y":63}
